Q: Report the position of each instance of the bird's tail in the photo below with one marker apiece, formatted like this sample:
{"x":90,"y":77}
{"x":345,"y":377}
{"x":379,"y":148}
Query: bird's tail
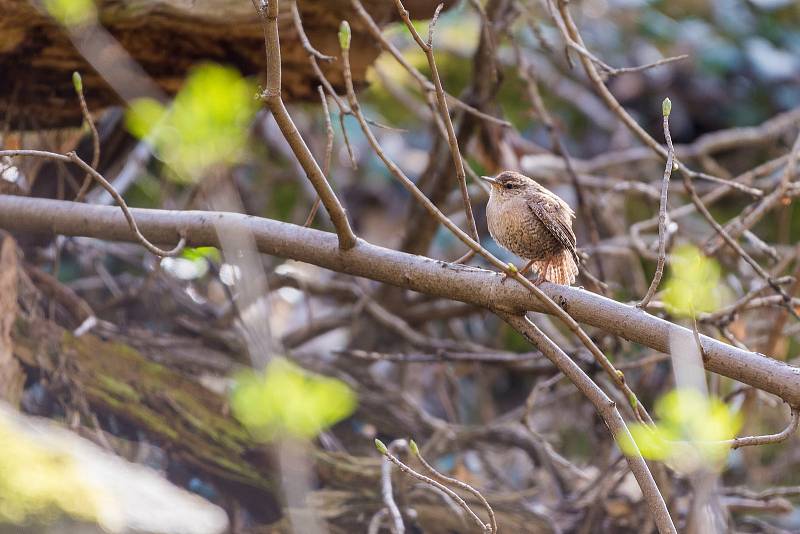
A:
{"x":560,"y":268}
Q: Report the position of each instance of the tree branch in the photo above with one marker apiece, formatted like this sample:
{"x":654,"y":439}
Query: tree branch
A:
{"x":606,"y":408}
{"x":418,"y":273}
{"x":274,"y":101}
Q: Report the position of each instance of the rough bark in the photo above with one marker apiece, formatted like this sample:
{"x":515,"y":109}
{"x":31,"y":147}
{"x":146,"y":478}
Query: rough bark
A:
{"x":11,"y":376}
{"x":166,"y":38}
{"x":193,"y":424}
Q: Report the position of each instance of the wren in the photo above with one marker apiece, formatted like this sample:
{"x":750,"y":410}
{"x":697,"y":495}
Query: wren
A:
{"x":535,"y":224}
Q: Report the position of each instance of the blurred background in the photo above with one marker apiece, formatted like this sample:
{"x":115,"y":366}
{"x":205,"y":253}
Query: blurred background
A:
{"x":252,"y":387}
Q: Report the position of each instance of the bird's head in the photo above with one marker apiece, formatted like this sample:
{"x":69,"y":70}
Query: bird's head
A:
{"x":508,"y":184}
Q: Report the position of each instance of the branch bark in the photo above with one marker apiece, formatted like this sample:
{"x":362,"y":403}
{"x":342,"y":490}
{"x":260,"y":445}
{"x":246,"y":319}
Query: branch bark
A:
{"x":418,"y":273}
{"x":274,"y":101}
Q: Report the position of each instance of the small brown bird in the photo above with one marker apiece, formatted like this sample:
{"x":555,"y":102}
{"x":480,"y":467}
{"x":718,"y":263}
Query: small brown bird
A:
{"x":535,"y":224}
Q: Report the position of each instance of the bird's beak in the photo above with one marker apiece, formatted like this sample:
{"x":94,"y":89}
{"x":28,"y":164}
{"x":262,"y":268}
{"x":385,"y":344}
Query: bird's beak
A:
{"x":489,"y":179}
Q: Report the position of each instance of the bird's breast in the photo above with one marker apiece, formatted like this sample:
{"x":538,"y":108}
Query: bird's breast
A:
{"x":514,"y":227}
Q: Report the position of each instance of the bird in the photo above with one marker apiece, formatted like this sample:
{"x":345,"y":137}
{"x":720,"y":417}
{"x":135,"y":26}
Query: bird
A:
{"x":532,"y":222}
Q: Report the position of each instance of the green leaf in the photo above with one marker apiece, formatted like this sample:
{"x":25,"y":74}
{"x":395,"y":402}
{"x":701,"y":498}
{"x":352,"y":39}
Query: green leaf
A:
{"x":690,"y":432}
{"x":647,"y":442}
{"x":413,"y":446}
{"x":197,"y":253}
{"x":207,"y":124}
{"x":71,"y":12}
{"x":381,"y":446}
{"x":143,"y":114}
{"x":694,"y":283}
{"x":286,"y":399}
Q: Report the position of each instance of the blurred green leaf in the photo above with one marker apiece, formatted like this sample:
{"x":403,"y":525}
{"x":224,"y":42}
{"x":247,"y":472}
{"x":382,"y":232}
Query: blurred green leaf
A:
{"x":71,"y":12}
{"x":689,"y":434}
{"x":207,"y":253}
{"x":287,"y":399}
{"x":206,"y":125}
{"x":694,"y":283}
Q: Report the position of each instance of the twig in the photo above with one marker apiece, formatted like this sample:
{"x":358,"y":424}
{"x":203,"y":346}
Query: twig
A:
{"x":746,"y":221}
{"x":569,"y":31}
{"x":72,"y":157}
{"x":703,"y":210}
{"x":87,"y":117}
{"x":610,"y":72}
{"x":424,"y":83}
{"x":386,"y":490}
{"x":457,"y":483}
{"x":326,"y":162}
{"x":783,"y":435}
{"x":458,"y":162}
{"x":298,"y":24}
{"x":662,"y":210}
{"x":427,"y":480}
{"x":726,"y":315}
{"x":272,"y":97}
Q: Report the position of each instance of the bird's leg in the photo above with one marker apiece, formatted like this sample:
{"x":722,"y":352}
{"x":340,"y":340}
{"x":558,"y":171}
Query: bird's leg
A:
{"x":540,"y":274}
{"x":523,"y":271}
{"x":527,"y":268}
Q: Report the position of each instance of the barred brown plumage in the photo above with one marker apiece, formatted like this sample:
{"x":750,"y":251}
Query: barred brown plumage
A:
{"x":535,"y":224}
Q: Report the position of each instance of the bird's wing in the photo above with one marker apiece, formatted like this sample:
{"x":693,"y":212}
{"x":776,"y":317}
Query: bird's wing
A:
{"x":547,"y":211}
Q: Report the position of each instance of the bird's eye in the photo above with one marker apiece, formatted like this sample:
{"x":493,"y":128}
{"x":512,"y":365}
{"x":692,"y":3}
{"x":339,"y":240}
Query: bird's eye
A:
{"x":508,"y":185}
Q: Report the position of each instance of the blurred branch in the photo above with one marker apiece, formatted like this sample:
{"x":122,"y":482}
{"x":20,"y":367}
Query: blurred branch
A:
{"x":427,"y":480}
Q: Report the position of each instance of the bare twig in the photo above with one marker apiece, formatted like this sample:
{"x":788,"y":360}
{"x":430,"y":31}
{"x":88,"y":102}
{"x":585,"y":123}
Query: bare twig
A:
{"x":605,"y":407}
{"x":298,"y":24}
{"x":662,"y":211}
{"x":274,"y":101}
{"x":72,"y":157}
{"x":746,"y":221}
{"x":783,"y":435}
{"x":424,"y":83}
{"x":427,"y":480}
{"x":87,"y":117}
{"x":458,"y":162}
{"x":386,"y":489}
{"x":457,"y":483}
